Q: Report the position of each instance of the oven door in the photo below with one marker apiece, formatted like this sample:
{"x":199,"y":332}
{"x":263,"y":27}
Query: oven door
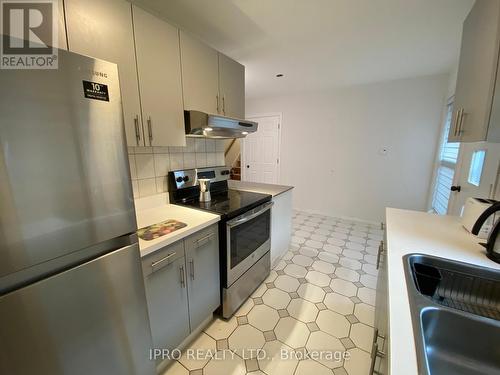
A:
{"x":248,"y":239}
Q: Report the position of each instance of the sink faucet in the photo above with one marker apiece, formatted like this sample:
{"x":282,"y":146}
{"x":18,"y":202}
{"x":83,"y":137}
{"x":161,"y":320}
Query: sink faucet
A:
{"x":492,"y":247}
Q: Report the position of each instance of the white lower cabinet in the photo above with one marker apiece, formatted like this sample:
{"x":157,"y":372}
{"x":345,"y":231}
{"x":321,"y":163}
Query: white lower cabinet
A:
{"x":202,"y":261}
{"x":182,"y":287}
{"x":380,"y":346}
{"x":281,"y":225}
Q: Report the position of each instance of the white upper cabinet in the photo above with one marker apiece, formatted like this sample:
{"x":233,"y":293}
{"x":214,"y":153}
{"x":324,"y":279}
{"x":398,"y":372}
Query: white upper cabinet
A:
{"x":231,"y":87}
{"x":159,"y":69}
{"x":475,"y":91}
{"x":103,"y":29}
{"x":200,"y":81}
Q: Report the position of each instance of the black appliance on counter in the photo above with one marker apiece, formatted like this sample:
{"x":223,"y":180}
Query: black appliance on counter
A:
{"x":244,"y":230}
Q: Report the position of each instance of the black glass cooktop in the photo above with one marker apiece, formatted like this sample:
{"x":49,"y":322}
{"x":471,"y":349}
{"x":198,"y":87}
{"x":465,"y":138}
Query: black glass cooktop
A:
{"x":230,"y":203}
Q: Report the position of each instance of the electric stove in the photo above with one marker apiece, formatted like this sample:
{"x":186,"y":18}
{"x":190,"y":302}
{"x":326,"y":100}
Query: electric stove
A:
{"x":244,"y":230}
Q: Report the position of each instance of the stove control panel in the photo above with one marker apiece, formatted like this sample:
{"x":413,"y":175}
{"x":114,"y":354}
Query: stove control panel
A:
{"x":189,"y":177}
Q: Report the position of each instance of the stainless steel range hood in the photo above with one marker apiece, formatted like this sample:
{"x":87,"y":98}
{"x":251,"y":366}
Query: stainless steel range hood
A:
{"x":200,"y":124}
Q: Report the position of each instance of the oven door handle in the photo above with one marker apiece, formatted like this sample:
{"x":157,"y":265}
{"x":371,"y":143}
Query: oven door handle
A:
{"x":247,"y":217}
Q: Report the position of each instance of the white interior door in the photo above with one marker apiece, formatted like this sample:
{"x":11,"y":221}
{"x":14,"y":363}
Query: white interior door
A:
{"x":475,"y":178}
{"x":260,"y":151}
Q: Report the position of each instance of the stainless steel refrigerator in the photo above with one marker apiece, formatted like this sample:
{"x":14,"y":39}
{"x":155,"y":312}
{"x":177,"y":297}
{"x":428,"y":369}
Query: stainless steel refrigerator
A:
{"x":72,"y":297}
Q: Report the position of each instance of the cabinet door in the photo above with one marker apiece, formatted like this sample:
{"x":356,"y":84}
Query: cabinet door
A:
{"x":476,"y":73}
{"x":103,"y":29}
{"x":232,"y":87}
{"x":200,"y":74}
{"x":202,"y":264}
{"x":166,"y":295}
{"x":159,"y":69}
{"x":381,"y":333}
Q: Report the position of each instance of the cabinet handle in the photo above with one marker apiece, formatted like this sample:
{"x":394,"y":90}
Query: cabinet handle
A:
{"x":382,"y":225}
{"x":460,"y":121}
{"x":455,"y":123}
{"x":204,"y":238}
{"x":137,"y":131}
{"x":191,"y":266}
{"x":224,"y":104}
{"x":374,"y":355}
{"x":154,"y":264}
{"x":374,"y":358}
{"x":150,"y":131}
{"x":217,"y":99}
{"x":183,"y":276}
{"x":380,"y":249}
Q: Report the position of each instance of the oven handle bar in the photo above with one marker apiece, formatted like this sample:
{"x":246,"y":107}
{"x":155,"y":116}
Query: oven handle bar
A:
{"x":252,"y":214}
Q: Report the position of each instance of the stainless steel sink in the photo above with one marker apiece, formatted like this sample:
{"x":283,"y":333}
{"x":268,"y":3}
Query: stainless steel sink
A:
{"x":455,"y":314}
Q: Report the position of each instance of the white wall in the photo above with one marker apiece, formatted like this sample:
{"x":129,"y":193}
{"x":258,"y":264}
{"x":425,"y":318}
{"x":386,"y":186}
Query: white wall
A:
{"x":331,"y":142}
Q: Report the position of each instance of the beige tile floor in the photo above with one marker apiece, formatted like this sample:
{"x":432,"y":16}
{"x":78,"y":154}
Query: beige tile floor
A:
{"x":319,"y":299}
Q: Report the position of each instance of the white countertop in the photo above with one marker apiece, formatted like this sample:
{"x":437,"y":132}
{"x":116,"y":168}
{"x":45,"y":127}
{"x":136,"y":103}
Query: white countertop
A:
{"x":419,"y":232}
{"x":258,"y":187}
{"x":158,"y":210}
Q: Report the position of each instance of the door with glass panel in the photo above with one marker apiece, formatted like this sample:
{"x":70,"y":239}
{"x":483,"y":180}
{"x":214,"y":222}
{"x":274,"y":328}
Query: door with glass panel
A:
{"x":477,"y":174}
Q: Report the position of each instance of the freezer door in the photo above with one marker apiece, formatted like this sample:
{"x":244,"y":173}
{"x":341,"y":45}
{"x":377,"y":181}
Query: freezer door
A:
{"x":91,"y":319}
{"x":64,"y":175}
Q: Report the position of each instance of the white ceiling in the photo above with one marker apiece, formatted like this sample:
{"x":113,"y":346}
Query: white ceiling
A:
{"x":324,"y":43}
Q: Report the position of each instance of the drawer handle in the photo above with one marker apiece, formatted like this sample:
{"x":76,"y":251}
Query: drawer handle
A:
{"x":204,"y":238}
{"x":154,"y":264}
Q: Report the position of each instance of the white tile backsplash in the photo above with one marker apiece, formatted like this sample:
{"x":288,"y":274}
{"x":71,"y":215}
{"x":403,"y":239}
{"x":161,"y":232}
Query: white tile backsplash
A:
{"x":147,"y":187}
{"x":176,"y":161}
{"x":220,"y":145}
{"x":133,"y":169}
{"x":211,"y":159}
{"x":161,"y":184}
{"x":201,"y":160}
{"x":145,"y":166}
{"x":162,"y":164}
{"x":190,"y":144}
{"x":189,"y":160}
{"x":220,"y":159}
{"x":210,"y":145}
{"x":199,"y":145}
{"x":149,"y":166}
{"x":135,"y":188}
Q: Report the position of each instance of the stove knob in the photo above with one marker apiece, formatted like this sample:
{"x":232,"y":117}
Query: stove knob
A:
{"x":185,"y":179}
{"x":178,"y":179}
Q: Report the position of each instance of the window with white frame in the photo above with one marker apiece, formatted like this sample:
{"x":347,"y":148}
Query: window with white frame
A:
{"x":448,"y":155}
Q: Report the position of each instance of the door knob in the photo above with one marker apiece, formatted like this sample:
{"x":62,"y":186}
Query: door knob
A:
{"x":248,"y":166}
{"x":456,"y":188}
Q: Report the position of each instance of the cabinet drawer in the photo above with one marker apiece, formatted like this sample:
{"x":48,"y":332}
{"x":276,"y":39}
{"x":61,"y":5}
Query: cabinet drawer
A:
{"x":162,"y":258}
{"x":202,"y":237}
